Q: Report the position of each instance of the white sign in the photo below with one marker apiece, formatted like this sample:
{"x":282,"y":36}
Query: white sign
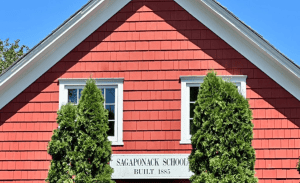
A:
{"x":150,"y":166}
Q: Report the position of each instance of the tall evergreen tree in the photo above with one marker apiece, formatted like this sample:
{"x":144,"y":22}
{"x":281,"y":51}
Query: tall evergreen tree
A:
{"x":93,"y":152}
{"x":222,"y":133}
{"x":90,"y":150}
{"x":61,"y":144}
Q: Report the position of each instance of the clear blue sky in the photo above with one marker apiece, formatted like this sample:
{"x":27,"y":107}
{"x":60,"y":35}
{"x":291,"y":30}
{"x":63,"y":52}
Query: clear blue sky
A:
{"x":276,"y":20}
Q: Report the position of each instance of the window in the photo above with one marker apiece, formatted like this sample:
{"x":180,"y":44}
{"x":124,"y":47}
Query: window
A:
{"x":112,"y":90}
{"x":189,"y":90}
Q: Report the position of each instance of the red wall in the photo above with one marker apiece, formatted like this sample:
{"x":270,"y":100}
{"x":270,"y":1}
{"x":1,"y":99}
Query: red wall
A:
{"x":150,"y":43}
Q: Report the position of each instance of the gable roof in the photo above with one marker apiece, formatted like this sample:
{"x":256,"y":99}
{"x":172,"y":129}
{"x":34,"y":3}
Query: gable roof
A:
{"x":96,"y":12}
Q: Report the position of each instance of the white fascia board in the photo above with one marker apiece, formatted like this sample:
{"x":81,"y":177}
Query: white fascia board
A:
{"x":246,"y":42}
{"x":53,"y":49}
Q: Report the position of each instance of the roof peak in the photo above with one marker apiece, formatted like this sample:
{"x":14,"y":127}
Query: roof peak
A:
{"x":96,"y":12}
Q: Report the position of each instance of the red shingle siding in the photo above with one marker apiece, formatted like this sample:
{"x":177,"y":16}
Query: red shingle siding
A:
{"x":150,"y":43}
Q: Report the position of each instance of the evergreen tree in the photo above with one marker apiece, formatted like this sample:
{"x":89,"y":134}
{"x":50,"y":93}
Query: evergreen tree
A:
{"x":86,"y":158}
{"x":92,"y":153}
{"x":222,"y":133}
{"x":61,"y":144}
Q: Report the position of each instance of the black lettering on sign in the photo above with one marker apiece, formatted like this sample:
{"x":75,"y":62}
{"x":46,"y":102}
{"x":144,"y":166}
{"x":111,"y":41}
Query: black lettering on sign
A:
{"x":156,"y":162}
{"x":138,"y":162}
{"x":124,"y":162}
{"x":175,"y":162}
{"x":143,"y":171}
{"x":164,"y":171}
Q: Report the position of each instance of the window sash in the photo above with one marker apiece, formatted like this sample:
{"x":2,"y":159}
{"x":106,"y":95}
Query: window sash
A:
{"x":77,"y":88}
{"x":195,"y":81}
{"x":117,"y":83}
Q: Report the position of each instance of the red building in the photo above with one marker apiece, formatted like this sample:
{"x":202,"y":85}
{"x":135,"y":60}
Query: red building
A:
{"x":147,"y":55}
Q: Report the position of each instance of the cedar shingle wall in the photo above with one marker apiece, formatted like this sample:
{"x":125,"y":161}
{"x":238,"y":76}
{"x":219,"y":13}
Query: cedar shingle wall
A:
{"x":150,"y":43}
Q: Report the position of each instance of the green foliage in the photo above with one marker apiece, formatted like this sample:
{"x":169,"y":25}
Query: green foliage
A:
{"x":10,"y":52}
{"x":298,"y":166}
{"x":222,"y":133}
{"x":62,"y":143}
{"x":88,"y":153}
{"x":93,"y":152}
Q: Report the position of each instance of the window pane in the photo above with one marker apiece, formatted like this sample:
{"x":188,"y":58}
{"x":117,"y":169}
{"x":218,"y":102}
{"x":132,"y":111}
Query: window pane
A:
{"x":110,"y":95}
{"x":72,"y":95}
{"x":192,"y":107}
{"x":80,"y":90}
{"x":102,"y":91}
{"x":111,"y":111}
{"x":194,"y":93}
{"x":111,"y":131}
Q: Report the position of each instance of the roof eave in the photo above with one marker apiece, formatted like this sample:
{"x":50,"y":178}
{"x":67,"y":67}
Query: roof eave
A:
{"x":96,"y":12}
{"x":247,"y":42}
{"x":55,"y":47}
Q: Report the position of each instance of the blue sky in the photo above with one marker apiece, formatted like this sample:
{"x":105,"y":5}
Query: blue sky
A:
{"x":276,"y":20}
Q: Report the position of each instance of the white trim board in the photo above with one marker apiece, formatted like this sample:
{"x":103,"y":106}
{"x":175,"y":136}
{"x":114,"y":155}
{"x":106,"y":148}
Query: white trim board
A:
{"x":97,"y":12}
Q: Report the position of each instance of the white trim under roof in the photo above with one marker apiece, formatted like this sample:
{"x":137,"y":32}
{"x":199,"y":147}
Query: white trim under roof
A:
{"x":97,"y":12}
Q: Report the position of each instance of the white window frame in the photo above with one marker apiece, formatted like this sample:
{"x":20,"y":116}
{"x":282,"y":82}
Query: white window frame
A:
{"x":117,"y":83}
{"x":192,"y":81}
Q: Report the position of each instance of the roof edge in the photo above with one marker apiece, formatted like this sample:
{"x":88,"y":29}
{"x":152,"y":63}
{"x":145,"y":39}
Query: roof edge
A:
{"x":53,"y":48}
{"x":35,"y":48}
{"x":96,"y":12}
{"x":246,"y":41}
{"x":253,"y":35}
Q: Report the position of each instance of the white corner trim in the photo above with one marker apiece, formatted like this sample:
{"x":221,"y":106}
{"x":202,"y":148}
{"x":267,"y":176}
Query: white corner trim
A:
{"x":250,"y":45}
{"x":47,"y":54}
{"x":189,"y":81}
{"x":64,"y":84}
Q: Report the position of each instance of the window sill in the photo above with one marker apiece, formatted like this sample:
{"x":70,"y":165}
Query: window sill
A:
{"x":185,"y":142}
{"x":117,"y":143}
